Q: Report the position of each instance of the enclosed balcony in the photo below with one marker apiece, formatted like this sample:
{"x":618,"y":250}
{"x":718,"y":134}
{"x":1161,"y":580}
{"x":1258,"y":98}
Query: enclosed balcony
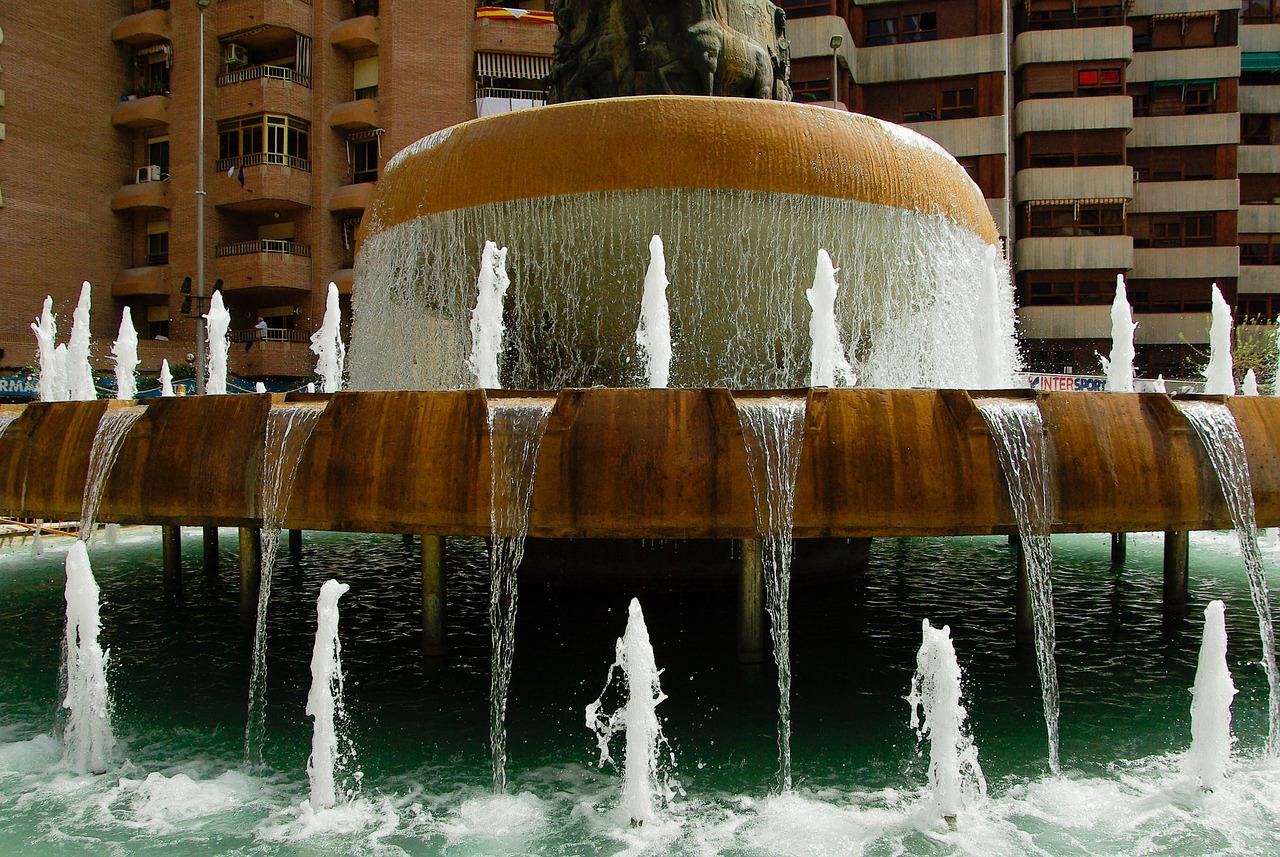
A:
{"x":264,"y":266}
{"x":1099,"y":252}
{"x":149,"y":111}
{"x":280,"y":353}
{"x":233,"y":17}
{"x":264,"y":88}
{"x":142,"y":196}
{"x":351,"y":199}
{"x":149,"y":281}
{"x":148,"y":27}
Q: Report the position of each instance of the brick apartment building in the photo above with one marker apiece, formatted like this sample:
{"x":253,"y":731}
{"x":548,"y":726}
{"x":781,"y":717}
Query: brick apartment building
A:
{"x":1140,"y":138}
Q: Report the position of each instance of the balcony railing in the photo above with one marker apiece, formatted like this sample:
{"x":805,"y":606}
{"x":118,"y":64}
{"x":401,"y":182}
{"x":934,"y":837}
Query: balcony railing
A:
{"x":276,"y":72}
{"x":271,"y":334}
{"x":264,"y":245}
{"x":539,"y":95}
{"x":265,"y":158}
{"x":367,"y":92}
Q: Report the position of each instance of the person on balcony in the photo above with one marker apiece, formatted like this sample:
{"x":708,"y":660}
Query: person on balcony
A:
{"x":259,"y":332}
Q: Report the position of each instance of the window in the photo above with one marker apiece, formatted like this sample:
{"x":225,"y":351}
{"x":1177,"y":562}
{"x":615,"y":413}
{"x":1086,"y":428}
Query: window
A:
{"x":1259,"y":130}
{"x":1173,"y":164}
{"x":158,"y":154}
{"x":1172,"y":230}
{"x":1078,"y":219}
{"x":364,"y":74}
{"x":158,"y":242}
{"x":1068,"y":288}
{"x":1260,"y":12}
{"x":267,"y":139}
{"x":364,"y":160}
{"x":1257,"y":308}
{"x":277,"y":317}
{"x":152,"y":67}
{"x":1099,"y":81}
{"x":882,"y":31}
{"x":811,"y":91}
{"x":1064,"y":14}
{"x":959,"y":103}
{"x":1101,"y":148}
{"x":1066,"y":80}
{"x":158,"y":322}
{"x":1199,"y":98}
{"x":921,"y":27}
{"x":1260,"y":249}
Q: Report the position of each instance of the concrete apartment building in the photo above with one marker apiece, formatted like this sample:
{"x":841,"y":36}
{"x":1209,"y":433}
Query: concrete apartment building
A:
{"x":1138,"y":137}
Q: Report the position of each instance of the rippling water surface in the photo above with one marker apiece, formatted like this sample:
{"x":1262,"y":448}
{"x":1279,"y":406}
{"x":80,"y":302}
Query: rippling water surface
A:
{"x":180,"y":676}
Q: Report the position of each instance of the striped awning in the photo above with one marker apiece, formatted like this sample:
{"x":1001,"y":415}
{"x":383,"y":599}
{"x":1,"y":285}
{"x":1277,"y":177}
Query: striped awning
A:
{"x":1265,"y":61}
{"x":515,"y":14}
{"x":521,"y":66}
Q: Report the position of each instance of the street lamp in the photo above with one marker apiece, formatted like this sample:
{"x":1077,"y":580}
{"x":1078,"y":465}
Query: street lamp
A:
{"x":201,"y":5}
{"x":836,"y":41}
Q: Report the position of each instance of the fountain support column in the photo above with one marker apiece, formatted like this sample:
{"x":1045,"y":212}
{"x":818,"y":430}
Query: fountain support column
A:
{"x":250,"y":569}
{"x":751,"y":624}
{"x":1024,"y":622}
{"x":210,"y":550}
{"x":1177,"y":547}
{"x":1119,"y":546}
{"x":433,"y":595}
{"x":171,"y":551}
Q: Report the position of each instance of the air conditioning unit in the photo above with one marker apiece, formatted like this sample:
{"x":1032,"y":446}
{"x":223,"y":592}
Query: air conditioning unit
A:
{"x":236,"y":55}
{"x":150,"y":173}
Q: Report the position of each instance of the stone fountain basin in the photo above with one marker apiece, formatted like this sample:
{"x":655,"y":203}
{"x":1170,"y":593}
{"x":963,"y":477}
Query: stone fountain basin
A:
{"x":630,"y":463}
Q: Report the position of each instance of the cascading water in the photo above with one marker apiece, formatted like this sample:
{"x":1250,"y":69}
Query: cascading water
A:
{"x":332,"y":752}
{"x":217,"y":323}
{"x":1018,"y":431}
{"x":738,"y":292}
{"x":6,"y":420}
{"x":326,"y":344}
{"x":515,"y":434}
{"x":1119,"y":366}
{"x":955,"y":777}
{"x":1219,"y":378}
{"x":87,"y":739}
{"x":113,"y":426}
{"x":644,"y":783}
{"x":828,"y":366}
{"x":1206,"y":761}
{"x":653,"y":335}
{"x":288,"y":429}
{"x":125,"y":351}
{"x":1217,"y":430}
{"x":486,"y":317}
{"x":773,"y":430}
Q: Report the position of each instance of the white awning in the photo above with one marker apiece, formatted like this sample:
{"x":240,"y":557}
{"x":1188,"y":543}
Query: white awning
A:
{"x":520,"y":66}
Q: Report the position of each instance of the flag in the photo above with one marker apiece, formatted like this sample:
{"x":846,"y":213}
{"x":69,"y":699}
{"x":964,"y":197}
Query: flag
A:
{"x":240,"y":176}
{"x":231,"y":171}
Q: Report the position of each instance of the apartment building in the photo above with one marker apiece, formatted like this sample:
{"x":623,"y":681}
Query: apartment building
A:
{"x":1138,"y":137}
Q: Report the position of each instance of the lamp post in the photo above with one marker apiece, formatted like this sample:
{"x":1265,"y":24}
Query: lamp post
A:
{"x":836,"y":41}
{"x":200,"y":359}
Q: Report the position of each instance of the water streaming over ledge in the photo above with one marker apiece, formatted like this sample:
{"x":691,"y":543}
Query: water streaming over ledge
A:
{"x":6,"y":420}
{"x":112,"y":428}
{"x":773,"y":430}
{"x":288,"y":429}
{"x":1217,"y":430}
{"x":515,"y":434}
{"x":1018,"y":431}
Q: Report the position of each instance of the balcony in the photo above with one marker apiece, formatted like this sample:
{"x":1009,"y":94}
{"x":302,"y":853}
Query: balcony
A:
{"x":1064,"y":322}
{"x":1076,"y":45}
{"x":1259,"y":99}
{"x":271,"y":183}
{"x":1171,"y":328}
{"x":1075,"y":114}
{"x":147,"y":112}
{"x":1158,"y":263}
{"x":1210,"y":129}
{"x":1074,"y":183}
{"x":358,"y":115}
{"x":235,"y":16}
{"x":923,"y":60}
{"x":264,"y":265}
{"x":142,"y":197}
{"x":282,"y":354}
{"x":1096,"y":252}
{"x":811,"y":37}
{"x":509,"y":36}
{"x":356,"y":34}
{"x":1255,"y":219}
{"x":151,"y":281}
{"x":1259,"y":280}
{"x":1258,"y":159}
{"x":1191,"y":63}
{"x":351,"y":199}
{"x":1213,"y":195}
{"x":143,"y":29}
{"x":264,"y":89}
{"x":964,"y":138}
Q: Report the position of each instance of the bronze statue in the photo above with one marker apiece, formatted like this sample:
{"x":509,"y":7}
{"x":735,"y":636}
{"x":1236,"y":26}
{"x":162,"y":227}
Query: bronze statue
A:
{"x":612,"y":48}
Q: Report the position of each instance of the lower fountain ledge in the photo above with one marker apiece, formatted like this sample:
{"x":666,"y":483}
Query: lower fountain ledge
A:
{"x":629,"y":463}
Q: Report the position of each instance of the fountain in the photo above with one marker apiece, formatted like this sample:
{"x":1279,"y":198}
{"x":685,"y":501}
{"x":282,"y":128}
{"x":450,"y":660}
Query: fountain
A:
{"x":125,"y":351}
{"x":773,"y":431}
{"x":166,"y":380}
{"x":112,"y":429}
{"x":486,"y":318}
{"x":79,"y":372}
{"x":1206,"y":761}
{"x":331,"y":749}
{"x":828,"y":365}
{"x":1119,"y":366}
{"x":1218,"y":376}
{"x":653,"y":335}
{"x":326,"y":342}
{"x":644,"y":783}
{"x":217,"y":323}
{"x":87,"y":739}
{"x":936,"y":712}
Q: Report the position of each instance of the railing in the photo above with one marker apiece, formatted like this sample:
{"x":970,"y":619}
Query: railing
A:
{"x":155,"y":259}
{"x":367,"y":92}
{"x":263,"y":245}
{"x":146,"y":90}
{"x":271,"y":334}
{"x":276,"y":72}
{"x":265,"y":158}
{"x":502,"y":92}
